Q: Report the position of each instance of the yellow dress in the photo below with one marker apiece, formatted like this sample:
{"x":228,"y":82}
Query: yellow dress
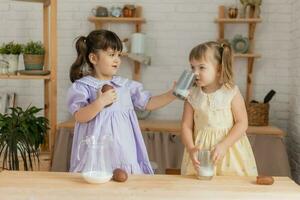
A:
{"x":213,"y":120}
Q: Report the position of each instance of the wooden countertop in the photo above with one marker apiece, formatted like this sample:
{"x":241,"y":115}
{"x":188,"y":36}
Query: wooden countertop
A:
{"x":173,"y":126}
{"x":70,"y":186}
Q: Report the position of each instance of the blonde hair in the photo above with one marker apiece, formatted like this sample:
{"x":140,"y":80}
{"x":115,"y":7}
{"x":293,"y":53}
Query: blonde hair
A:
{"x":221,"y":53}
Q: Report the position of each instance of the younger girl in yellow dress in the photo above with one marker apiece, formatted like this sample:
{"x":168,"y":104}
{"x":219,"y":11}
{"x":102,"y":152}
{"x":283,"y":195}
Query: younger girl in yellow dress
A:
{"x":215,"y":116}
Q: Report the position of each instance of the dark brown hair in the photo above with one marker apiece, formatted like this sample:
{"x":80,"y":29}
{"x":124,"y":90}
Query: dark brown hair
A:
{"x":96,"y":40}
{"x":222,"y":54}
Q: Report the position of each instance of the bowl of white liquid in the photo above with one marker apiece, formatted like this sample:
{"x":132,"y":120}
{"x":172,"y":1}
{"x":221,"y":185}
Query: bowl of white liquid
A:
{"x":206,"y":170}
{"x":97,"y":176}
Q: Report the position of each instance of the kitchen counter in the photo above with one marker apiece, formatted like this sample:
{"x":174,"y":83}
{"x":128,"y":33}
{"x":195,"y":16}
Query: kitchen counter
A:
{"x":70,"y":186}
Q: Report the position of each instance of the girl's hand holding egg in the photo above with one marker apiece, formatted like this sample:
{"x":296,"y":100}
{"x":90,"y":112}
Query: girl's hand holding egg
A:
{"x":107,"y":95}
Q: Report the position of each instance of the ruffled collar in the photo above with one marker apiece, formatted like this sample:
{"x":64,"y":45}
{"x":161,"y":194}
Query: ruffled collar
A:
{"x":212,"y":93}
{"x":96,"y":83}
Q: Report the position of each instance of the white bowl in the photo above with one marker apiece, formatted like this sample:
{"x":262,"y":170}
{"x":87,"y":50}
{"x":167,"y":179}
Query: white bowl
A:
{"x":97,"y":176}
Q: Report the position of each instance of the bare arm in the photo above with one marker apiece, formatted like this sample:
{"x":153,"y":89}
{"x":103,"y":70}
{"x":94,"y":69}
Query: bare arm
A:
{"x":187,"y":124}
{"x":88,"y":112}
{"x":187,"y":127}
{"x":240,"y":120}
{"x":239,"y":128}
{"x":159,"y":101}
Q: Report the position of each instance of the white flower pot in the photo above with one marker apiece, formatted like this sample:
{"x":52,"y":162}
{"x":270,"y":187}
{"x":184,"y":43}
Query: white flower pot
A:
{"x":3,"y":64}
{"x":9,"y":63}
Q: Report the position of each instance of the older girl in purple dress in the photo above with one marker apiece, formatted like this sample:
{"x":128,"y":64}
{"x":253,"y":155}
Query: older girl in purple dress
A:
{"x":97,"y":62}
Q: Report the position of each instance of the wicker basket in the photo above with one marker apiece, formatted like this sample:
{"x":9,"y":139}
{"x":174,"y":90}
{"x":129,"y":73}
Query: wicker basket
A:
{"x":258,"y":114}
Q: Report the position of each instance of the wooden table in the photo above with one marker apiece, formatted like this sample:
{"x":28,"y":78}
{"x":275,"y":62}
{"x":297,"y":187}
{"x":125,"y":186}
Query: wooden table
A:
{"x":70,"y":186}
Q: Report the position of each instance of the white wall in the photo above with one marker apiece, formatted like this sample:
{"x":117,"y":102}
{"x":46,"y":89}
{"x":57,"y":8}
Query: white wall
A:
{"x":293,"y":140}
{"x":173,"y":27}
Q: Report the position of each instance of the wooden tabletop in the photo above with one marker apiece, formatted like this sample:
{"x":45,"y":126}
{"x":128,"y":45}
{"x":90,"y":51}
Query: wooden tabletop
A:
{"x":70,"y":186}
{"x":173,"y":126}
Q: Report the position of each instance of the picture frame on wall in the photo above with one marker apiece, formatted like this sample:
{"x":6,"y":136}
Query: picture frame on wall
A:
{"x":7,"y":100}
{"x":3,"y":102}
{"x":11,"y":101}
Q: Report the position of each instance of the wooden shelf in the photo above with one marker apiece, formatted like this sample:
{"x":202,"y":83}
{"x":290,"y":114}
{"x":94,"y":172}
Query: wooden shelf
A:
{"x":49,"y":30}
{"x":140,"y":58}
{"x":238,"y":20}
{"x":24,"y":77}
{"x":116,"y":19}
{"x":137,"y":21}
{"x":45,"y":2}
{"x":251,"y":21}
{"x":246,"y":55}
{"x":174,"y":127}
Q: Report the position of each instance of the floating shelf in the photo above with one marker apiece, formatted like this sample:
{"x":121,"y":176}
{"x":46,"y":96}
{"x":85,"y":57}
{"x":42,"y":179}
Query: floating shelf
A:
{"x":143,"y":59}
{"x":238,"y":20}
{"x":251,"y":21}
{"x":138,"y":20}
{"x":24,"y":77}
{"x":246,"y":55}
{"x":116,"y":19}
{"x":46,"y":2}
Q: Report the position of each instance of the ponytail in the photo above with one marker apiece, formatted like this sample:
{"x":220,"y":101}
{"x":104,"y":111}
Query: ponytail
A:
{"x":76,"y":71}
{"x":226,"y":64}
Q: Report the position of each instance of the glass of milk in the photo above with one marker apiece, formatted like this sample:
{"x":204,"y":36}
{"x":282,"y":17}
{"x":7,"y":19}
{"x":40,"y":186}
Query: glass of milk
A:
{"x":95,"y":164}
{"x":206,"y":169}
{"x":184,"y":83}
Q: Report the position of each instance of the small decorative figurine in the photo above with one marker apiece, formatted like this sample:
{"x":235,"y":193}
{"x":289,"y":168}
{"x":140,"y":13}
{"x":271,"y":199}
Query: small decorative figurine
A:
{"x":252,"y":3}
{"x":232,"y":12}
{"x":116,"y":11}
{"x":240,"y":44}
{"x":100,"y":11}
{"x":129,"y":10}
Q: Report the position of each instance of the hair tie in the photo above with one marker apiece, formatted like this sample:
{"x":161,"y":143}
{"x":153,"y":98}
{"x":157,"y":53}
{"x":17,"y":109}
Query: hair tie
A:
{"x":84,"y":39}
{"x":222,"y":45}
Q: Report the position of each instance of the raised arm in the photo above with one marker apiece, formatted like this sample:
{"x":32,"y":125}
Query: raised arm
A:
{"x":159,"y":101}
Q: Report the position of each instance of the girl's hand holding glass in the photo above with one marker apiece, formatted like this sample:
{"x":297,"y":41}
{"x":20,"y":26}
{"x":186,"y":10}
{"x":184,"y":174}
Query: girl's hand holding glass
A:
{"x":194,"y":157}
{"x":219,"y":152}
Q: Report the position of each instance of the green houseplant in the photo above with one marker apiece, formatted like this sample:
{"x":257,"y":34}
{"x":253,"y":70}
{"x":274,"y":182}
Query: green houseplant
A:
{"x":33,"y":53}
{"x":9,"y":54}
{"x":21,"y":135}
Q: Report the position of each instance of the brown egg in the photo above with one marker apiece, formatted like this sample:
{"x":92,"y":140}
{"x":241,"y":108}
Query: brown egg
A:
{"x":119,"y":175}
{"x":264,"y":180}
{"x":105,"y":88}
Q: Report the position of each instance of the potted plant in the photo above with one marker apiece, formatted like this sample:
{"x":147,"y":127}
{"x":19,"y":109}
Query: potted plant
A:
{"x":33,"y":53}
{"x":9,"y":54}
{"x":21,"y":135}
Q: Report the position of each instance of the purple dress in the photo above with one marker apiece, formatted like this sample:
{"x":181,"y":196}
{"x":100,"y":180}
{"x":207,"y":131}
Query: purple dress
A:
{"x":119,"y":120}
